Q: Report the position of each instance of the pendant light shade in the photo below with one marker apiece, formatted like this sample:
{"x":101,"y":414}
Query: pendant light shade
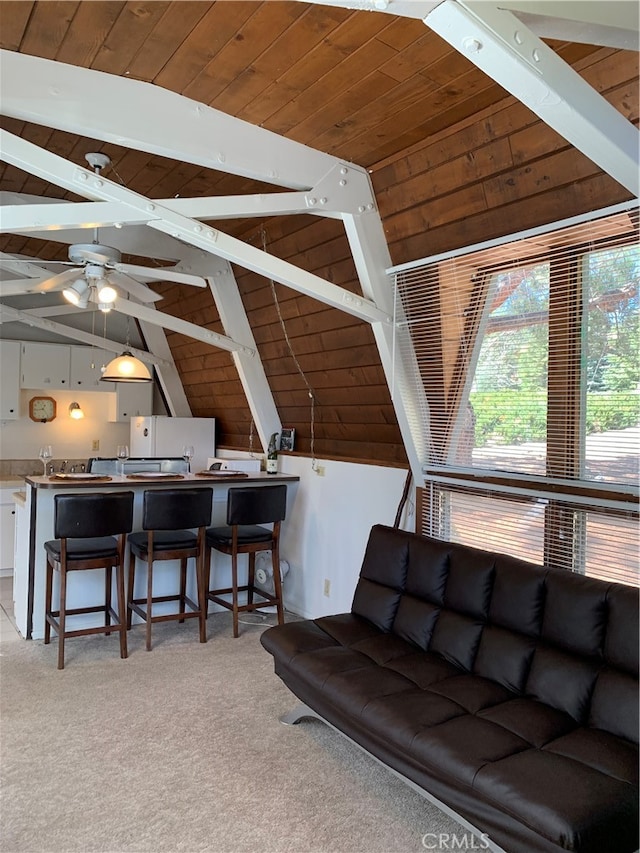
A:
{"x":126,"y":368}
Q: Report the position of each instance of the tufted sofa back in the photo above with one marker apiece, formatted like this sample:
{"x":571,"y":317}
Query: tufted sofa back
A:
{"x":561,"y":638}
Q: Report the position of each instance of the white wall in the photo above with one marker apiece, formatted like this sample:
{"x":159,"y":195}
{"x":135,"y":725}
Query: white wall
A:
{"x":328,"y":527}
{"x":70,"y":439}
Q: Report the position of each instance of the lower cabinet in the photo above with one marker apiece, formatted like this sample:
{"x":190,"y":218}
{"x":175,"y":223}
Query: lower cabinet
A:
{"x":7,"y":528}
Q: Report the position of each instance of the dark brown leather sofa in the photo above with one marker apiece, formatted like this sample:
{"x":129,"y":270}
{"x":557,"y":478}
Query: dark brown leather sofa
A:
{"x":507,"y":691}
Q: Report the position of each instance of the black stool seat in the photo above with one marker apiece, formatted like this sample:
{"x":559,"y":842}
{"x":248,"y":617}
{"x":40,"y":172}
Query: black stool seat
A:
{"x":247,"y":533}
{"x":168,"y":517}
{"x":162,"y":540}
{"x":90,"y":530}
{"x":84,"y":549}
{"x":248,"y":510}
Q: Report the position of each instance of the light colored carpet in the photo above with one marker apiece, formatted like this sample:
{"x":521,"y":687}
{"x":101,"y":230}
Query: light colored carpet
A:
{"x":181,"y":749}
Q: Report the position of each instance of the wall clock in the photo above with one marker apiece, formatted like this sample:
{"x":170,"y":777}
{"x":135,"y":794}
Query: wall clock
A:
{"x":42,"y":409}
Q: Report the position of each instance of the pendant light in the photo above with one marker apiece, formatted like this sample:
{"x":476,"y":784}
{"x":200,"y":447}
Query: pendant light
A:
{"x":126,"y":368}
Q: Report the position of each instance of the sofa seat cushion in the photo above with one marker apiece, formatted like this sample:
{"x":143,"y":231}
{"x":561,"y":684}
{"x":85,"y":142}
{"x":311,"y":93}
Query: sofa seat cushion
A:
{"x":573,"y":805}
{"x":531,"y":720}
{"x":600,"y":750}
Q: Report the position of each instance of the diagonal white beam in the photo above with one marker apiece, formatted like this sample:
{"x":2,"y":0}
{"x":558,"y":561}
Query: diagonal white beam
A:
{"x":611,"y":24}
{"x":149,"y":118}
{"x":226,"y":294}
{"x":175,"y":324}
{"x":167,"y":374}
{"x":506,"y":50}
{"x":371,"y":255}
{"x":12,"y":315}
{"x":56,"y":169}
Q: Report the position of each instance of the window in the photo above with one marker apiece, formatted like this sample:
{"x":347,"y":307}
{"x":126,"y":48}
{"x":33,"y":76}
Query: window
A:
{"x":528,"y":354}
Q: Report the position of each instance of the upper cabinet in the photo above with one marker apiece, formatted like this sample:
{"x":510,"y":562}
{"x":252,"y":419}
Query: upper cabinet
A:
{"x":85,"y":370}
{"x":44,"y":365}
{"x":9,"y":380}
{"x":61,"y":367}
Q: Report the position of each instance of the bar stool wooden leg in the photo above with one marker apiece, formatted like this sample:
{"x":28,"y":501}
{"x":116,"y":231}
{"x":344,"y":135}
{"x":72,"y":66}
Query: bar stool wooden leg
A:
{"x":47,"y":602}
{"x":130,"y":585}
{"x":122,"y":609}
{"x":277,"y":582}
{"x":202,"y":593}
{"x":234,"y":584}
{"x":252,"y":576}
{"x":149,"y":597}
{"x":107,"y":598}
{"x":183,"y":586}
{"x":62,"y":618}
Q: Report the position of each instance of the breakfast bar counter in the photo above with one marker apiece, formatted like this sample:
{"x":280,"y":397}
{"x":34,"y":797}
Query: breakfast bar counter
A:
{"x":35,"y":525}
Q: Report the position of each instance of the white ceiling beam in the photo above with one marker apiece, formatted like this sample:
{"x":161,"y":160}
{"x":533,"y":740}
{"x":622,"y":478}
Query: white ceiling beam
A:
{"x":15,"y":264}
{"x":51,"y":167}
{"x":167,"y":374}
{"x":226,"y":294}
{"x":13,"y":315}
{"x":401,"y":8}
{"x":182,"y":327}
{"x":149,"y":118}
{"x":28,"y":218}
{"x":371,"y":255}
{"x":508,"y":52}
{"x":613,"y":23}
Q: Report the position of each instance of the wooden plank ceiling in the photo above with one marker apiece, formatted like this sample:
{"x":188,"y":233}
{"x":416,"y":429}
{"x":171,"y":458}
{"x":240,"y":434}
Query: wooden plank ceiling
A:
{"x":380,"y":91}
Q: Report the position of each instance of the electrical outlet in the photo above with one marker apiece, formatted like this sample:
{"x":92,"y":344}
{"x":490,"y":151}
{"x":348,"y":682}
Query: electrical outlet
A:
{"x":95,"y":444}
{"x":327,"y":587}
{"x":320,"y":470}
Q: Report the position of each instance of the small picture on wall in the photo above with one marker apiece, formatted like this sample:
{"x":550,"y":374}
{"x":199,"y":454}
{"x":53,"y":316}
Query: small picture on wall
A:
{"x":287,"y":438}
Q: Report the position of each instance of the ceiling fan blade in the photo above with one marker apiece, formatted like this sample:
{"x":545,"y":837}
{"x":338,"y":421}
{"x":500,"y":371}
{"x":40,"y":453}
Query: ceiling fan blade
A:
{"x":135,"y":288}
{"x":161,"y":274}
{"x":55,"y":282}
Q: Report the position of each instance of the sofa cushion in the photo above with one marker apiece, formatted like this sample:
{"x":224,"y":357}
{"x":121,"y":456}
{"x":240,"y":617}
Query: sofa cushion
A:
{"x":530,"y":720}
{"x":505,"y":657}
{"x":621,"y":646}
{"x":469,"y":581}
{"x":575,"y":806}
{"x":614,"y":704}
{"x":518,"y":596}
{"x":562,"y":680}
{"x":575,"y":613}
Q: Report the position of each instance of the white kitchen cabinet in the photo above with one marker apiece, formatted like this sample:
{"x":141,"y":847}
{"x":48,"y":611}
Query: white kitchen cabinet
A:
{"x":44,"y":365}
{"x":131,"y":399}
{"x":85,"y":369}
{"x":9,"y":380}
{"x":7,"y":528}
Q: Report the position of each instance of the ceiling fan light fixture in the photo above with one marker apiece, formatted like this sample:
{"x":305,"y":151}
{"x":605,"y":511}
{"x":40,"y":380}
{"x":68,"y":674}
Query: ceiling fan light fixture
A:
{"x":77,"y":293}
{"x":126,"y":368}
{"x":106,"y":293}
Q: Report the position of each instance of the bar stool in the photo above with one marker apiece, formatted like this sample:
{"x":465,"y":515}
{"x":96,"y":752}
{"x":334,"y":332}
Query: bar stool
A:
{"x":168,"y":516}
{"x":85,"y":526}
{"x":247,"y":510}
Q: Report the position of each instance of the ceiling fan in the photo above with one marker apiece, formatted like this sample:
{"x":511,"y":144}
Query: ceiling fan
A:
{"x":97,"y":272}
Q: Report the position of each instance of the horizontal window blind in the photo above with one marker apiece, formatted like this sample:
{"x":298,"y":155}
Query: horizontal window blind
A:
{"x":559,"y":534}
{"x":527,"y":353}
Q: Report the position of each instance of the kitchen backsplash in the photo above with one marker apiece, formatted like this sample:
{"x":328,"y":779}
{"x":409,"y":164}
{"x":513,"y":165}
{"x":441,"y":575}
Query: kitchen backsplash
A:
{"x":24,"y":467}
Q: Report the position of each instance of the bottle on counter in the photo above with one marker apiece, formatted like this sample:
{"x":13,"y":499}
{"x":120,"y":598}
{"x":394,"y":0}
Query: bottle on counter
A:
{"x":272,"y":455}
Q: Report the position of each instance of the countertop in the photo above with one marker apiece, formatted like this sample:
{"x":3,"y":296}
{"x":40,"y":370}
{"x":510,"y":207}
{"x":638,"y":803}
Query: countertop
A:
{"x":11,"y":482}
{"x":151,"y":479}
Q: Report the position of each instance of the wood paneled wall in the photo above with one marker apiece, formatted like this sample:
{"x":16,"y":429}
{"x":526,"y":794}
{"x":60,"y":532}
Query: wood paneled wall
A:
{"x":502,"y":171}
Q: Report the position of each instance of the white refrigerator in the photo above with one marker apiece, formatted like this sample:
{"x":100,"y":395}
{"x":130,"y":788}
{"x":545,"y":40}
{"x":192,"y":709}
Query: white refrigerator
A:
{"x":159,"y":435}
